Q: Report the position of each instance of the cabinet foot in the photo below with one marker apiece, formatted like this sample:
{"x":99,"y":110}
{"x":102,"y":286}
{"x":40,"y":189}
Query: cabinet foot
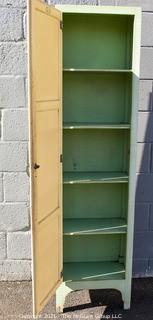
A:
{"x":61,"y":294}
{"x":126,"y":300}
{"x":126,"y":306}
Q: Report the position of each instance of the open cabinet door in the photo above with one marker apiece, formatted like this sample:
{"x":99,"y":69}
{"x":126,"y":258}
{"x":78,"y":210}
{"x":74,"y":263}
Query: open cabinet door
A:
{"x":45,"y":135}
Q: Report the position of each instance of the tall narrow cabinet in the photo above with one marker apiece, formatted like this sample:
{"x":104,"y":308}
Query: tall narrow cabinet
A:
{"x":84,"y":74}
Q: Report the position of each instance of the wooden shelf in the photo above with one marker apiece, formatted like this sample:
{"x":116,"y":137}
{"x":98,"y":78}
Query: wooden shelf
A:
{"x":97,"y":70}
{"x":97,"y":108}
{"x":95,"y":177}
{"x":83,"y":125}
{"x":94,"y":226}
{"x":87,"y":271}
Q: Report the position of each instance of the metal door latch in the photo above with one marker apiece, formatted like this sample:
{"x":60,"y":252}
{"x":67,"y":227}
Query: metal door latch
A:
{"x":36,"y":166}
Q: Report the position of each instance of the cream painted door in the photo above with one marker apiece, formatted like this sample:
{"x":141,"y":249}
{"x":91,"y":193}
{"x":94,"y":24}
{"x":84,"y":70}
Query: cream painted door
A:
{"x":45,"y":119}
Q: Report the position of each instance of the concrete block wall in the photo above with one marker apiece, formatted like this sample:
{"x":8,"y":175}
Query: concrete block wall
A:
{"x":15,"y":250}
{"x":15,"y":247}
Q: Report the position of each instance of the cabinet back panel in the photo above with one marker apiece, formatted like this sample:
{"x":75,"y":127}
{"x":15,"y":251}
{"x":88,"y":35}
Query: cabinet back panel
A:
{"x":95,"y":201}
{"x":95,"y":150}
{"x":97,"y":97}
{"x":97,"y":41}
{"x":93,"y":248}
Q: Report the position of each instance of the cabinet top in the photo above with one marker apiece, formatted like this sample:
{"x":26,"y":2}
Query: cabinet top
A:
{"x":99,"y":9}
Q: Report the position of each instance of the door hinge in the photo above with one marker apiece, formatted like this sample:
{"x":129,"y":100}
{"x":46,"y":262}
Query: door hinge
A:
{"x":61,"y":158}
{"x":61,"y":24}
{"x":61,"y":274}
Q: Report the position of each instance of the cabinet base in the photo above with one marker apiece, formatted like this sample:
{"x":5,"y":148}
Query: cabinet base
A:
{"x":66,"y":287}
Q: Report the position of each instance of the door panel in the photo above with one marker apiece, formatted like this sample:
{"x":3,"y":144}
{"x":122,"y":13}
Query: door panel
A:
{"x":46,"y":43}
{"x":47,"y":155}
{"x":47,"y":258}
{"x":45,"y":118}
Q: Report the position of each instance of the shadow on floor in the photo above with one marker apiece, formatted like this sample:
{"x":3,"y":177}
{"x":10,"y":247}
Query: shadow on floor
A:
{"x":16,"y":303}
{"x":111,"y":301}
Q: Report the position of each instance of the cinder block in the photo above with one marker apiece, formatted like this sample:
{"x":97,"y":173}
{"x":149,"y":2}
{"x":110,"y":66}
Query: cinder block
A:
{"x":106,"y":2}
{"x":15,"y":125}
{"x":13,"y":58}
{"x":92,"y":2}
{"x":146,"y":65}
{"x":25,"y":25}
{"x":12,"y":92}
{"x":13,"y":156}
{"x":141,"y":217}
{"x":144,"y":189}
{"x":53,"y":2}
{"x":146,"y":95}
{"x":13,"y":3}
{"x":1,"y":187}
{"x":147,"y":26}
{"x":88,"y":2}
{"x":2,"y":245}
{"x":19,"y":245}
{"x":16,"y":187}
{"x":140,"y":268}
{"x":11,"y":24}
{"x":146,"y":5}
{"x":144,"y":250}
{"x":14,"y":217}
{"x":143,"y":157}
{"x":0,"y":124}
{"x":15,"y":270}
{"x":145,"y":127}
{"x":26,"y":91}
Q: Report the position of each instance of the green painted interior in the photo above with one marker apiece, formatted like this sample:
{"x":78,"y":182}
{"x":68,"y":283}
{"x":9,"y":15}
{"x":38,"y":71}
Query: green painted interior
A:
{"x":95,"y":200}
{"x":93,"y":248}
{"x":89,"y":271}
{"x":94,"y":226}
{"x":93,"y":125}
{"x":97,"y":97}
{"x":98,"y":70}
{"x":96,"y":150}
{"x":97,"y":86}
{"x":75,"y":177}
{"x":97,"y":41}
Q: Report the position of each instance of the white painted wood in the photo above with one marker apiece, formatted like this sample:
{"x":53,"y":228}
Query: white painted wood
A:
{"x":99,"y":9}
{"x":133,"y":144}
{"x":124,"y":286}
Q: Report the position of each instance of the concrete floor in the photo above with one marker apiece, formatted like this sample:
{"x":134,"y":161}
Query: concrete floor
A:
{"x":16,"y":303}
